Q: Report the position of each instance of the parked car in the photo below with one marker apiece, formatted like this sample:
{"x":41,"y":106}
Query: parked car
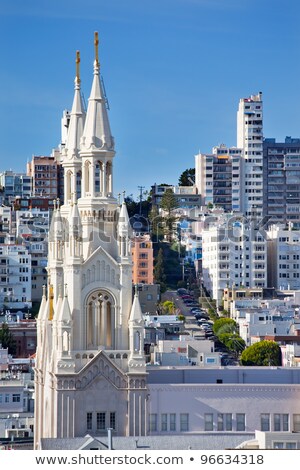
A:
{"x":182,"y":291}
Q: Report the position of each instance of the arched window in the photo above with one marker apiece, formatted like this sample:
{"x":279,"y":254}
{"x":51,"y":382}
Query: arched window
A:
{"x":100,"y":320}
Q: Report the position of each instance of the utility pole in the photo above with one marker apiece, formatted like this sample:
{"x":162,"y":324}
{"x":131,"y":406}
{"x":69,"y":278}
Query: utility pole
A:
{"x":141,"y":197}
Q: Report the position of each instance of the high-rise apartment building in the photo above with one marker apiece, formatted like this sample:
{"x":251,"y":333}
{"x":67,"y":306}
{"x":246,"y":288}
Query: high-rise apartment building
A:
{"x":15,"y":184}
{"x":15,"y":277}
{"x":282,"y":181}
{"x":250,"y":139}
{"x":45,"y":173}
{"x":217,"y":177}
{"x":233,"y":254}
{"x":284,"y":257}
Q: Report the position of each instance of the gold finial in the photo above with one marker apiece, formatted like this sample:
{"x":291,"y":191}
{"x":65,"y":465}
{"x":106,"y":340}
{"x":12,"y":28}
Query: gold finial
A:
{"x":96,"y":44}
{"x":77,"y":66}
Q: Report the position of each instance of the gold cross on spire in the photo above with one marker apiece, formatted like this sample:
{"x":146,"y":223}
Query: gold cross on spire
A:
{"x":77,"y":66}
{"x":96,"y":44}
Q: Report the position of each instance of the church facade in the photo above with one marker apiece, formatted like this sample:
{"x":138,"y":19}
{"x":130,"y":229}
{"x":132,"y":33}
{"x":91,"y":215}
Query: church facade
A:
{"x":90,"y":371}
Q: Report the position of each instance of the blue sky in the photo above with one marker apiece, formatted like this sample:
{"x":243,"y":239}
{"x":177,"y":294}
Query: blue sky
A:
{"x":174,"y":71}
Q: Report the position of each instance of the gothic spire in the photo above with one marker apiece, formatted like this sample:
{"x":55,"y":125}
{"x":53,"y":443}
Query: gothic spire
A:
{"x":77,"y":118}
{"x":97,"y":134}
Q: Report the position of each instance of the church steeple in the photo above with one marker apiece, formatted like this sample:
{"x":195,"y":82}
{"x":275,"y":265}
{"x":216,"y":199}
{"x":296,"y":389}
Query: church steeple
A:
{"x":97,"y":143}
{"x":71,"y":157}
{"x":97,"y":134}
{"x":136,"y":337}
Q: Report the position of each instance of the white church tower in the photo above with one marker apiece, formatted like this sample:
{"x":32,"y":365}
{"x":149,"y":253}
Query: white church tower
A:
{"x":90,"y":368}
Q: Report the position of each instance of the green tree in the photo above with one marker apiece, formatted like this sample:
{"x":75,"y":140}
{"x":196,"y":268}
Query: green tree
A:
{"x":168,"y":307}
{"x":225,"y":325}
{"x":233,"y":342}
{"x":168,"y":201}
{"x":7,"y":340}
{"x":187,"y":178}
{"x":159,"y":271}
{"x":263,"y":353}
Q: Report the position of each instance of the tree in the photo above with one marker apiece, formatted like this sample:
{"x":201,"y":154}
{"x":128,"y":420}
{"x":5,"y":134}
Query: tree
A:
{"x":187,"y":178}
{"x":168,"y":201}
{"x":263,"y":353}
{"x":233,"y":342}
{"x":159,"y":271}
{"x":225,"y":325}
{"x":7,"y":340}
{"x":168,"y":307}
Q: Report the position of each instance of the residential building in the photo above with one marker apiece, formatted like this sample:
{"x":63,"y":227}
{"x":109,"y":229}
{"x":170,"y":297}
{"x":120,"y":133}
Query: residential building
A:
{"x":284,"y":257}
{"x":250,"y":139}
{"x":15,"y":184}
{"x":187,"y":197}
{"x":186,"y":351}
{"x":217,"y":177}
{"x":142,"y":259}
{"x":15,"y":277}
{"x":232,"y":254}
{"x":149,"y":297}
{"x":281,"y":181}
{"x":32,"y":228}
{"x":45,"y":173}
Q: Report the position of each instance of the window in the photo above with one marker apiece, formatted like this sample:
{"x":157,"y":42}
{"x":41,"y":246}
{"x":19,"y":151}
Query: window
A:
{"x":0,"y":397}
{"x":281,"y":422}
{"x":172,"y":422}
{"x":164,"y":422}
{"x":224,"y":422}
{"x":240,"y":422}
{"x":184,"y":422}
{"x":112,"y":420}
{"x":153,"y":422}
{"x":291,"y":445}
{"x":101,"y":421}
{"x":6,"y":398}
{"x":296,"y":423}
{"x":16,"y":398}
{"x":265,"y":422}
{"x":208,"y":422}
{"x":89,"y":420}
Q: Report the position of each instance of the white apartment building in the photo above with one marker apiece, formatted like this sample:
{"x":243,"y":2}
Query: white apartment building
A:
{"x":186,"y":351}
{"x":284,"y":257}
{"x":250,"y":139}
{"x":262,"y":322}
{"x":32,"y":226}
{"x":232,"y":254}
{"x":15,"y":277}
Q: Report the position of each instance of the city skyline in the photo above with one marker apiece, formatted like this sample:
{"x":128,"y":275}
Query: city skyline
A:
{"x":177,"y":68}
